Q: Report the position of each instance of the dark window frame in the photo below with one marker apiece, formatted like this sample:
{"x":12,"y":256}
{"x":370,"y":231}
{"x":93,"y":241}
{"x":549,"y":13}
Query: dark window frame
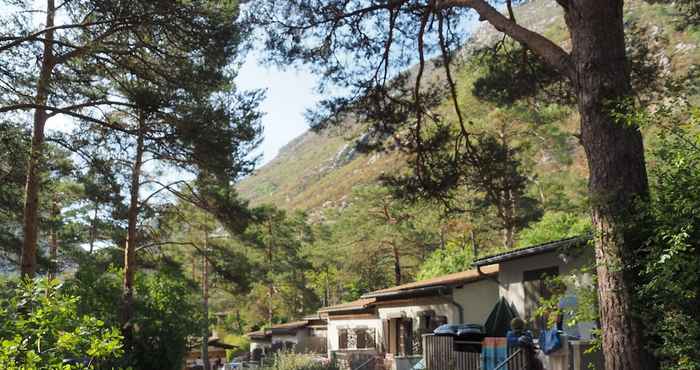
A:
{"x":534,"y":289}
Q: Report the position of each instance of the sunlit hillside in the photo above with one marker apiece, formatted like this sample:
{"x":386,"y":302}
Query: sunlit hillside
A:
{"x":320,"y":169}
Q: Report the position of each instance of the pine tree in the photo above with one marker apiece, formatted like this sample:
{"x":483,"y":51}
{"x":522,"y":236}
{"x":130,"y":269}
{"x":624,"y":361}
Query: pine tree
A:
{"x":377,"y":38}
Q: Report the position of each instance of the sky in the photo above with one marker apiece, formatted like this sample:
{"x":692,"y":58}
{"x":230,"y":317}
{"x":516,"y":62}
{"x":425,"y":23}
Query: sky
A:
{"x":288,"y":94}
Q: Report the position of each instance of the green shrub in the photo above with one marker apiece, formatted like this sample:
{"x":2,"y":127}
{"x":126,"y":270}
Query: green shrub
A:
{"x":670,"y":287}
{"x":166,"y":312}
{"x":41,"y":328}
{"x":555,"y":226}
{"x":453,"y":258}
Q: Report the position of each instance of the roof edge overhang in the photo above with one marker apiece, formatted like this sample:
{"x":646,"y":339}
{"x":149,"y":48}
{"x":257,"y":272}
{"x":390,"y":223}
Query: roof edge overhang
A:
{"x":532,"y":250}
{"x":415,"y":292}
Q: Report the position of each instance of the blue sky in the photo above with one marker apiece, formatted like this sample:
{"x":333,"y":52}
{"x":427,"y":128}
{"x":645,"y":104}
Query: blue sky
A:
{"x":289,"y":93}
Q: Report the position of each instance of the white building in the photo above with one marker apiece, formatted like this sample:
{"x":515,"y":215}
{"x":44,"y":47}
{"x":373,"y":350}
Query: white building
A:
{"x":390,"y":322}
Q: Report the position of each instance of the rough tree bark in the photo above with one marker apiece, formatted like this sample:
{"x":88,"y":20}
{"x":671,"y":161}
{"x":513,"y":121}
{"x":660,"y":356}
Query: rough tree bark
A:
{"x":270,"y":286}
{"x":618,"y":175}
{"x":397,"y":263}
{"x":53,"y":240}
{"x":31,"y":192}
{"x":127,"y":303}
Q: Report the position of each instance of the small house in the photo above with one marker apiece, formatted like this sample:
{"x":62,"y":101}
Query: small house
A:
{"x":260,"y":343}
{"x":216,"y":352}
{"x":303,"y":336}
{"x":389,"y":323}
{"x":523,"y":277}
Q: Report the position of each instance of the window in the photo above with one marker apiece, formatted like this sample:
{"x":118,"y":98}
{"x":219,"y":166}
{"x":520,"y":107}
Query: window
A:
{"x":436,"y":321}
{"x":535,"y":289}
{"x":356,"y":338}
{"x":365,"y":338}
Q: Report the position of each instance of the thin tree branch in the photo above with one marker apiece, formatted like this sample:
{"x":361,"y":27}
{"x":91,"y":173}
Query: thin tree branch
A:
{"x":17,"y":40}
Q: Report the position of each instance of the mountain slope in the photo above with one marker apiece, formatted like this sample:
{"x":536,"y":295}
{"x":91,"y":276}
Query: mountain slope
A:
{"x":319,"y":170}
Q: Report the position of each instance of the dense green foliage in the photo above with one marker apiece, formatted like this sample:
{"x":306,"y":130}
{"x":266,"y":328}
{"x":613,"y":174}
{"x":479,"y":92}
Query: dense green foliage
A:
{"x":42,"y":327}
{"x":671,"y":286}
{"x":453,"y":258}
{"x":555,"y":226}
{"x":167,"y":312}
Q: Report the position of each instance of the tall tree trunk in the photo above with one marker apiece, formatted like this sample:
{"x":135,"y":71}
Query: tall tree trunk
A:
{"x":397,"y":263}
{"x":127,"y":308}
{"x":239,"y":322}
{"x":194,"y":268}
{"x":270,"y":286}
{"x":205,"y":300}
{"x":597,"y":68}
{"x":326,"y":289}
{"x":618,"y":175}
{"x":31,"y":191}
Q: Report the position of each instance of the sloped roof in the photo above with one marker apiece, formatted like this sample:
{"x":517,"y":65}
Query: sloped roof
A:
{"x":450,"y":279}
{"x":259,"y":334}
{"x":288,"y":327}
{"x":278,"y":329}
{"x":359,"y":304}
{"x":531,"y":250}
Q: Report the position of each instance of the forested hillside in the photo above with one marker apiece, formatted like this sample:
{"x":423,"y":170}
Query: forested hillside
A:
{"x":369,"y":237}
{"x":320,"y":169}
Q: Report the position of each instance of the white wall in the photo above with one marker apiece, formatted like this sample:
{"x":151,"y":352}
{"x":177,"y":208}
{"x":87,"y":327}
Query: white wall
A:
{"x":293,"y":338}
{"x":265,"y":346}
{"x":477,"y":300}
{"x":442,"y":309}
{"x":334,"y":325}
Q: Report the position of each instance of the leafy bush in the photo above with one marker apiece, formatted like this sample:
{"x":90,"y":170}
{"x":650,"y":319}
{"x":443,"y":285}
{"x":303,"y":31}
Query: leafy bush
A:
{"x":586,"y":308}
{"x":41,"y":328}
{"x":242,"y":343}
{"x":670,"y":285}
{"x":453,"y":258}
{"x":555,"y":226}
{"x":166,"y":312}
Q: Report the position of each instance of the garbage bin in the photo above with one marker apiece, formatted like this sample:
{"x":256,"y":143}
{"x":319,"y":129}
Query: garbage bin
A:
{"x":465,"y":337}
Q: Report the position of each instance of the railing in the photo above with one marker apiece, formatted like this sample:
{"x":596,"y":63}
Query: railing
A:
{"x":439,"y":354}
{"x":364,"y":364}
{"x":515,"y":361}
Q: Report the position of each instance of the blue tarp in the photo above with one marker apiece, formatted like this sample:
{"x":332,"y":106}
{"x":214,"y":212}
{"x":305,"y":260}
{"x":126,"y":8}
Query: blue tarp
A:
{"x":493,"y":352}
